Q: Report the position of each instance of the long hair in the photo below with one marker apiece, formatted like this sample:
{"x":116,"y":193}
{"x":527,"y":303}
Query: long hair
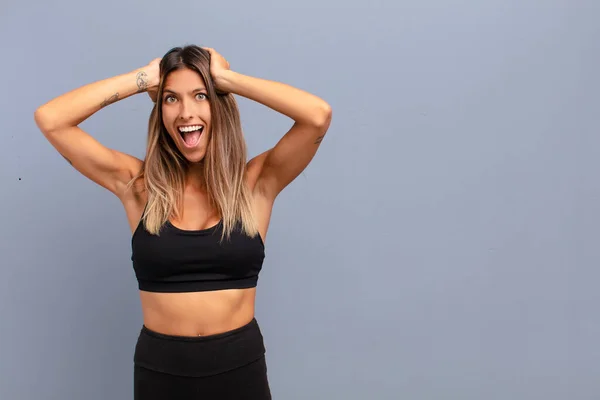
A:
{"x":164,"y":167}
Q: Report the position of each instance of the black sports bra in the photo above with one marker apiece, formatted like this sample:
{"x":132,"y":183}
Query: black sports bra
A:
{"x":195,"y":260}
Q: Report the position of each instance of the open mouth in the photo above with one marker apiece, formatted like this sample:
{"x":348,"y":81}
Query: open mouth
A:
{"x":191,"y":134}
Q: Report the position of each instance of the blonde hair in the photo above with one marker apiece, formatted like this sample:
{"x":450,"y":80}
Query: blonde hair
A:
{"x":164,"y":167}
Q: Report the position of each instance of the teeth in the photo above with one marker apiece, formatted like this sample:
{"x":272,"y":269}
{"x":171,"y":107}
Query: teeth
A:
{"x":190,"y":128}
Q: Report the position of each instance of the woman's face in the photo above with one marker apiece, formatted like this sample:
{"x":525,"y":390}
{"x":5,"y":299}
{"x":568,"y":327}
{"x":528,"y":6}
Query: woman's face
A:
{"x":186,"y":113}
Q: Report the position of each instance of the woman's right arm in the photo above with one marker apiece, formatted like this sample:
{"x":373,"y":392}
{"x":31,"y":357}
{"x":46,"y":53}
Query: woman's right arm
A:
{"x":59,"y":119}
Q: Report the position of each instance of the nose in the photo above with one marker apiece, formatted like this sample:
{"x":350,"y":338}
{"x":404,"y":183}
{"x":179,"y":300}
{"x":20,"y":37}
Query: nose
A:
{"x":186,"y":110}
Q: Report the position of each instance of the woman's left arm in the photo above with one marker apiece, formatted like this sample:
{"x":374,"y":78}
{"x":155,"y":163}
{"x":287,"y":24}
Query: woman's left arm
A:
{"x":280,"y":165}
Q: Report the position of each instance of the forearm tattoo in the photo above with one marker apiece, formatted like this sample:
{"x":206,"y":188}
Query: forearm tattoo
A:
{"x":110,"y":100}
{"x":142,"y":81}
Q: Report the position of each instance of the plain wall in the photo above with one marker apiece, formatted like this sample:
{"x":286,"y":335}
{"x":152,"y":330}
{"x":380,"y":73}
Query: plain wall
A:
{"x":441,"y":245}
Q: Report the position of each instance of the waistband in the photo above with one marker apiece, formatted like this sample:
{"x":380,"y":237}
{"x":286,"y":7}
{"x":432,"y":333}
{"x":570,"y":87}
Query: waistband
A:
{"x":198,"y":356}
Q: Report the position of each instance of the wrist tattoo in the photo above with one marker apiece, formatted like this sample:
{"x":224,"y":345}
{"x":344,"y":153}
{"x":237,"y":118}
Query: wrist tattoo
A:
{"x":110,"y":100}
{"x":319,"y":139}
{"x":142,"y":81}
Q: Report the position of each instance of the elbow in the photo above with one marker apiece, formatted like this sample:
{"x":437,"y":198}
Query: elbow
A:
{"x":43,"y":120}
{"x":39,"y":118}
{"x":323,"y":117}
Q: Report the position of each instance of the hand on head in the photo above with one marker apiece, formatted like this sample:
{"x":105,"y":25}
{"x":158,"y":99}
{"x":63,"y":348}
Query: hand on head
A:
{"x":219,"y":66}
{"x":149,"y":78}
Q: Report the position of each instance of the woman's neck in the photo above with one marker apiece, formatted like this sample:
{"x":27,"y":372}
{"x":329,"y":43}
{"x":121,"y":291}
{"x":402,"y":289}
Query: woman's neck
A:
{"x":194,"y":176}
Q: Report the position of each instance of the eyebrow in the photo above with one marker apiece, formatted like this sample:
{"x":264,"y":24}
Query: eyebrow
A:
{"x":193,"y":91}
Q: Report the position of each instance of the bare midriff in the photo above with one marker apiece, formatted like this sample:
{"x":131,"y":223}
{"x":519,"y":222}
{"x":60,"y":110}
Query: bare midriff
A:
{"x":197,"y":313}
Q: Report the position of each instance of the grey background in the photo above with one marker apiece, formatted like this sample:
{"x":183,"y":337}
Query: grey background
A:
{"x":442,"y":244}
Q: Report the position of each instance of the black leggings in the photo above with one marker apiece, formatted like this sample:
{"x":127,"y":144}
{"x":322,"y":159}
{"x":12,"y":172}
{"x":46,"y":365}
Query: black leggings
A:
{"x":229,"y":365}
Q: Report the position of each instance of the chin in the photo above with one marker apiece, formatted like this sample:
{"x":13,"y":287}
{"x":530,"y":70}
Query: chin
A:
{"x":195,"y":157}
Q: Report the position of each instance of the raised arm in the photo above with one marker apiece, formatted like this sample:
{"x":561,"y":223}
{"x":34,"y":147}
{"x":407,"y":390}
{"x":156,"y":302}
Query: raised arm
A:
{"x":59,"y":119}
{"x":279,"y":166}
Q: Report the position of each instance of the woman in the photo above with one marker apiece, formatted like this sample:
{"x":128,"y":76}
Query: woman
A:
{"x":198,"y":212}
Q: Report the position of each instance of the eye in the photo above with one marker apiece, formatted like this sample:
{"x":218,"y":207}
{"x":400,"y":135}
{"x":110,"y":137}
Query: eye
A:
{"x":169,"y":98}
{"x":203,"y":96}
